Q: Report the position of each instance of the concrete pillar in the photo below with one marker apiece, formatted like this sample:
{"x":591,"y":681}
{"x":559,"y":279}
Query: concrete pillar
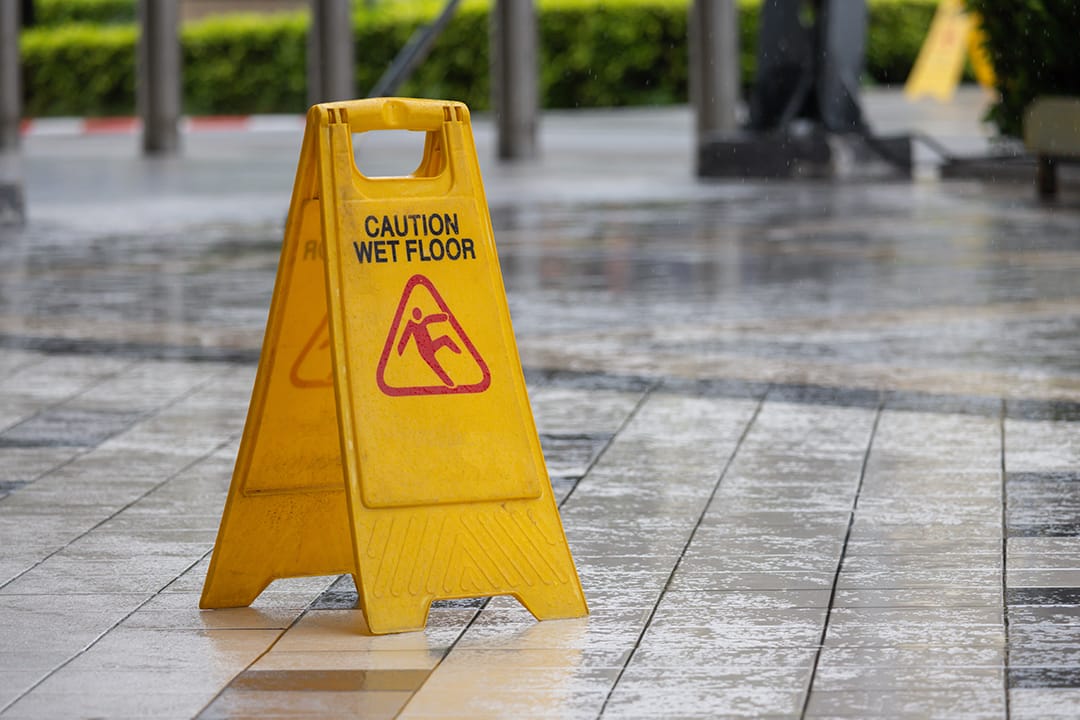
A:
{"x":714,"y":66}
{"x":331,"y":57}
{"x":158,"y":76}
{"x":10,"y":76}
{"x":515,"y":84}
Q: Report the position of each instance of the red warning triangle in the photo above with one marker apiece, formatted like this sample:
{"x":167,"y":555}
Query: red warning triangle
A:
{"x":312,"y":368}
{"x":427,"y":352}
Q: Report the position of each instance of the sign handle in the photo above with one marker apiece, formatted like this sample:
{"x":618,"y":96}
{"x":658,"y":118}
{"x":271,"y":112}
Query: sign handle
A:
{"x":397,"y":113}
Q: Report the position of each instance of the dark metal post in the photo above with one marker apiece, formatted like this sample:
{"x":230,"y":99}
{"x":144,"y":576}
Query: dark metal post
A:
{"x":12,"y":208}
{"x":331,"y":57}
{"x":10,"y":76}
{"x":714,"y":66}
{"x":158,"y":76}
{"x":1046,"y":177}
{"x":515,"y":83}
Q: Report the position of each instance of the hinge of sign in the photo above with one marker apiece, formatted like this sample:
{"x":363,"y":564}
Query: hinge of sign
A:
{"x":338,"y":115}
{"x":452,"y":113}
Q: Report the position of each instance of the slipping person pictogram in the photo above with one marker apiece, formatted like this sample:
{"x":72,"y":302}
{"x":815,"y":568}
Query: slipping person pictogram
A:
{"x":412,"y":349}
{"x":313,"y":368}
{"x":417,"y":329}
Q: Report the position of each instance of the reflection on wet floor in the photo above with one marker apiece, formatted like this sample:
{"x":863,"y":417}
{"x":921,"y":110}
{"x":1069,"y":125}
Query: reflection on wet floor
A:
{"x":807,"y":283}
{"x":816,"y":450}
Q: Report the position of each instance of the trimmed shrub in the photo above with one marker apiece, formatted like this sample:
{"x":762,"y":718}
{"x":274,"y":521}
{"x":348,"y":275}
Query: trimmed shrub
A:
{"x":102,"y":12}
{"x":79,"y":70}
{"x":263,"y":73}
{"x":1032,"y":46}
{"x":895,"y":34}
{"x":593,"y":54}
{"x":609,"y":55}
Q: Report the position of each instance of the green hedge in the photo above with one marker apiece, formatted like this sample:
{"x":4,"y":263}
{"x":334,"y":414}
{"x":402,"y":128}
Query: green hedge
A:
{"x":79,"y":70}
{"x":1032,"y":46}
{"x":593,"y":54}
{"x":896,"y":32}
{"x":62,"y":12}
{"x":263,"y":74}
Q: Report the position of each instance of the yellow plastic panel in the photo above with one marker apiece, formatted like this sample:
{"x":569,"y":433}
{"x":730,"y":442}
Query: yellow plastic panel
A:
{"x":301,"y":382}
{"x":427,"y":435}
{"x":940,"y":62}
{"x":286,"y":514}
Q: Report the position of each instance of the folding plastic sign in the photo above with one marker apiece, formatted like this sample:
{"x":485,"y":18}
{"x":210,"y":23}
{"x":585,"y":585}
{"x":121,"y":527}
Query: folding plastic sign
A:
{"x":389,"y":434}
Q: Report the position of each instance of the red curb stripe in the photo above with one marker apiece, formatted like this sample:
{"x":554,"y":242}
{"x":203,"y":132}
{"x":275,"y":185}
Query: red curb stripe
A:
{"x":109,"y":125}
{"x":218,"y":122}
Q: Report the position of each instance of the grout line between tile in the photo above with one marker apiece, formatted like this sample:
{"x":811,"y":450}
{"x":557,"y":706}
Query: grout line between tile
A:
{"x":682,"y":554}
{"x":626,"y":421}
{"x":115,"y":625}
{"x":645,"y":395}
{"x":1004,"y":556}
{"x":840,"y":562}
{"x":185,"y":468}
{"x":85,"y":450}
{"x":258,"y":657}
{"x":31,"y":361}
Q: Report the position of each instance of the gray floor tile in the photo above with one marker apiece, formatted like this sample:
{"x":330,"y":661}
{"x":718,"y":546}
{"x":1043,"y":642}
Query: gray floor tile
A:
{"x":690,"y":581}
{"x":938,"y":678}
{"x":689,"y":693}
{"x":955,"y":702}
{"x":1044,"y":703}
{"x":918,"y":578}
{"x":931,"y":597}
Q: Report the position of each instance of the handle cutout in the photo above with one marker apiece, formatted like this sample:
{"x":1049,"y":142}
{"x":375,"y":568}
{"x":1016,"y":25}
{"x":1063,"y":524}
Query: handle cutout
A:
{"x":394,"y":154}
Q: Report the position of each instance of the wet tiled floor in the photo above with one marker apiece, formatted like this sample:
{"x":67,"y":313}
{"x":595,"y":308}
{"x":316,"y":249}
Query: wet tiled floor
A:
{"x":816,"y":448}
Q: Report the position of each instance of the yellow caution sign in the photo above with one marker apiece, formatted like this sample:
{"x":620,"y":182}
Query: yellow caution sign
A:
{"x":980,"y":60}
{"x":954,"y":35}
{"x":389,"y":434}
